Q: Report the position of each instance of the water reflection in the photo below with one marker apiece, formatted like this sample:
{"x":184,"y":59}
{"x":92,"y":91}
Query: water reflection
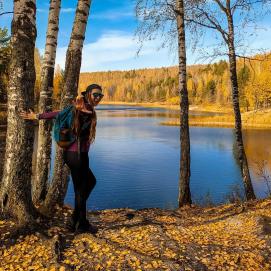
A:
{"x":257,"y":145}
{"x":143,"y":112}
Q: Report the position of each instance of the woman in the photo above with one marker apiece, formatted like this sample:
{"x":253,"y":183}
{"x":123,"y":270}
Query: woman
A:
{"x":78,"y":163}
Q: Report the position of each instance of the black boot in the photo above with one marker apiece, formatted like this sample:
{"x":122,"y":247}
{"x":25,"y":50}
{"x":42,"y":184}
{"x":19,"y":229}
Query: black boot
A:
{"x":73,"y":222}
{"x":84,"y":226}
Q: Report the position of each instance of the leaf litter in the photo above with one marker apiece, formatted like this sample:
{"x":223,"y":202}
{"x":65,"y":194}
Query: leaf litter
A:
{"x":228,"y":237}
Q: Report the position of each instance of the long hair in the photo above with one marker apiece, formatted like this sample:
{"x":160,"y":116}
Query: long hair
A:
{"x":92,"y":130}
{"x":80,"y":103}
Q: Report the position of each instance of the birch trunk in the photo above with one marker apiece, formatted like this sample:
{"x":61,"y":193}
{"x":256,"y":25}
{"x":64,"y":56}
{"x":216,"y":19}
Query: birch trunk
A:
{"x":184,"y":187}
{"x":40,"y":182}
{"x":58,"y":187}
{"x":15,"y":192}
{"x":238,"y":121}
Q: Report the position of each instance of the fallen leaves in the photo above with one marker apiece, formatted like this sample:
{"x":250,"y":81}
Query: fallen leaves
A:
{"x":216,"y":239}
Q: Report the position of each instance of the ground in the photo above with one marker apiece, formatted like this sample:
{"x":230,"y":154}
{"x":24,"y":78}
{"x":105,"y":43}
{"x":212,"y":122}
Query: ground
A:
{"x":228,"y":237}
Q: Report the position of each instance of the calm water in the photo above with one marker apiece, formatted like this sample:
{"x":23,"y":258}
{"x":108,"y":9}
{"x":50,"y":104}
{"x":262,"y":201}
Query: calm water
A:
{"x":136,"y":160}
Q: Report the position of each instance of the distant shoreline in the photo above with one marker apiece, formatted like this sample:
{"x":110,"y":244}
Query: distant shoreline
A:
{"x":259,"y":119}
{"x":154,"y":104}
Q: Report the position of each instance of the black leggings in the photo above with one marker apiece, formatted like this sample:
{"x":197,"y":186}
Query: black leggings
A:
{"x":83,"y":182}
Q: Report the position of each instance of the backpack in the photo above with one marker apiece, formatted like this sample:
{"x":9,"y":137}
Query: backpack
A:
{"x":62,"y":131}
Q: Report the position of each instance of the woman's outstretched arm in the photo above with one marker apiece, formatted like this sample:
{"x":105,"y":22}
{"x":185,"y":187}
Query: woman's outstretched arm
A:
{"x":47,"y":115}
{"x":34,"y":116}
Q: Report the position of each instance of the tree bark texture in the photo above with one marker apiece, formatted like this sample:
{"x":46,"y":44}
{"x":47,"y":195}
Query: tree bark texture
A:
{"x":238,"y":121}
{"x":15,"y":192}
{"x":59,"y":184}
{"x":40,"y":182}
{"x":184,"y":187}
{"x":58,"y":187}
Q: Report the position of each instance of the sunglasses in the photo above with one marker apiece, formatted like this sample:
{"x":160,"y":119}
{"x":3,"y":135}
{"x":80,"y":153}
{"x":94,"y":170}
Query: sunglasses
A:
{"x":97,"y":95}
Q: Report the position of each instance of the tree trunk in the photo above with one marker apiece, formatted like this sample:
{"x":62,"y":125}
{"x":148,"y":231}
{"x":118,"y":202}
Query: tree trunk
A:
{"x":15,"y":193}
{"x":238,"y":122}
{"x":184,"y":187}
{"x":40,"y":182}
{"x":58,"y":187}
{"x":59,"y":184}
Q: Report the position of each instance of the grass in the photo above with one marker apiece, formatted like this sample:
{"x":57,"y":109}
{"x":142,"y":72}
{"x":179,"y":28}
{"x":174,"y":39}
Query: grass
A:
{"x":252,"y":119}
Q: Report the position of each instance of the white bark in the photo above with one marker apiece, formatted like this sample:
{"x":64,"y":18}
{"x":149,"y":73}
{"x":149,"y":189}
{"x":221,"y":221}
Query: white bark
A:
{"x":45,"y":105}
{"x":15,"y":193}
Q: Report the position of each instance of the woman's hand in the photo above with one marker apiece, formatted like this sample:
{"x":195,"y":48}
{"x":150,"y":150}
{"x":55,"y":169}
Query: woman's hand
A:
{"x":28,"y":115}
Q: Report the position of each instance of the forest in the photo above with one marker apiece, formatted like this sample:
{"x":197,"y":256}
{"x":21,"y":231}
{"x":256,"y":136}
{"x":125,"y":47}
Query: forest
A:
{"x":206,"y":84}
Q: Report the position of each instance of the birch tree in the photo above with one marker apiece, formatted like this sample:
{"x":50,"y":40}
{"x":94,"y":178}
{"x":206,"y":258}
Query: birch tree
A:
{"x":184,"y":187}
{"x":40,"y":181}
{"x":166,"y":19}
{"x":15,"y":192}
{"x":58,"y":186}
{"x":219,"y":16}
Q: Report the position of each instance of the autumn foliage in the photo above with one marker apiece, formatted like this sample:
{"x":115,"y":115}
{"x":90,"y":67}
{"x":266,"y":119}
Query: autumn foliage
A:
{"x":207,"y":84}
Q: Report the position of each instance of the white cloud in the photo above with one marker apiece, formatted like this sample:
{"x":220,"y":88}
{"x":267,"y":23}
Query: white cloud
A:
{"x":41,"y":10}
{"x":63,"y":10}
{"x":67,"y":10}
{"x":113,"y":15}
{"x":117,"y":51}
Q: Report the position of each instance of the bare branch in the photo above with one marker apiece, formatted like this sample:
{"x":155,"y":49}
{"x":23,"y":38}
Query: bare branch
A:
{"x":221,"y":6}
{"x":215,"y":24}
{"x":205,"y":56}
{"x":266,"y":57}
{"x":7,"y":12}
{"x":244,"y":3}
{"x":228,"y":7}
{"x":199,"y":23}
{"x":172,"y":7}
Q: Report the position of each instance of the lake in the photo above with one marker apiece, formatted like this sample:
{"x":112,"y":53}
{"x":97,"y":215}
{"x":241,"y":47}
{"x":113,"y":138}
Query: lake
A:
{"x":136,"y":160}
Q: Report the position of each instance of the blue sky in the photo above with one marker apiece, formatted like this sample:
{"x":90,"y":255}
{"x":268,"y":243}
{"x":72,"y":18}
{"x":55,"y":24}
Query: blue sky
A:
{"x":110,"y":43}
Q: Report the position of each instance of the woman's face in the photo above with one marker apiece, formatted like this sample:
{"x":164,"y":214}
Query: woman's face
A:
{"x":95,"y":96}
